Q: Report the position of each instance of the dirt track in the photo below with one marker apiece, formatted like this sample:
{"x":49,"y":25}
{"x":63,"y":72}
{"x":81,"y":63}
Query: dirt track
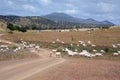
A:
{"x":25,"y":68}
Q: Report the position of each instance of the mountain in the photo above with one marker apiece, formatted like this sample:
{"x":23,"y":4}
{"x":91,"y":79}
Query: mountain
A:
{"x":67,"y":18}
{"x":62,"y":17}
{"x":52,"y":21}
{"x":29,"y":21}
{"x":107,"y":22}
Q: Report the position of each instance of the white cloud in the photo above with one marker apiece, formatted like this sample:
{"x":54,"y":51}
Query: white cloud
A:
{"x":45,"y":2}
{"x":9,"y":3}
{"x":106,"y":7}
{"x":70,"y":11}
{"x":29,"y":7}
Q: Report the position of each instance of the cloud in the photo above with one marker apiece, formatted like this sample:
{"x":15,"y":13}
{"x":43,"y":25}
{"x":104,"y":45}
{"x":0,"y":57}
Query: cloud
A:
{"x":70,"y":11}
{"x":45,"y":2}
{"x":9,"y":3}
{"x":29,"y":7}
{"x":106,"y":7}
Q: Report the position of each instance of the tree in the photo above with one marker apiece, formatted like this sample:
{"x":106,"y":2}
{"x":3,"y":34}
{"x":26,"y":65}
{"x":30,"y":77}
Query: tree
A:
{"x":11,"y":26}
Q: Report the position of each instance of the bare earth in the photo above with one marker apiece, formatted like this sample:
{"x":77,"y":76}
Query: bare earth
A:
{"x":22,"y":69}
{"x":82,"y":69}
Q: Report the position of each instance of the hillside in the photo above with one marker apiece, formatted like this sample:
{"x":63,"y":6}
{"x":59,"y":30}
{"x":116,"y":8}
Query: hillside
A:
{"x":2,"y":26}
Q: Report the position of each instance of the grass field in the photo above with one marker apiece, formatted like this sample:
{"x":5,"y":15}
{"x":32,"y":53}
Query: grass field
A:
{"x":98,"y":37}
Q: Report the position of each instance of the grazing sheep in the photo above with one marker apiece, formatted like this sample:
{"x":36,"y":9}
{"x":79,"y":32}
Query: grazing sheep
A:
{"x":70,"y":53}
{"x":98,"y":54}
{"x":118,"y":44}
{"x":89,"y":42}
{"x":58,"y":54}
{"x":114,"y":46}
{"x":51,"y":53}
{"x":94,"y":50}
{"x":54,"y":50}
{"x":93,"y":45}
{"x":84,"y":45}
{"x":57,"y":40}
{"x":119,"y":52}
{"x":102,"y":51}
{"x":81,"y":42}
{"x":115,"y":54}
{"x":86,"y":54}
{"x":53,"y":42}
{"x":62,"y":42}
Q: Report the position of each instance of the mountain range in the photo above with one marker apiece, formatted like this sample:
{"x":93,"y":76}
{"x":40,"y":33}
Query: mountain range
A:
{"x":53,"y":21}
{"x":67,"y":18}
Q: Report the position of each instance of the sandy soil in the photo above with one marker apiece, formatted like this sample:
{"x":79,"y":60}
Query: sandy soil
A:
{"x":82,"y":69}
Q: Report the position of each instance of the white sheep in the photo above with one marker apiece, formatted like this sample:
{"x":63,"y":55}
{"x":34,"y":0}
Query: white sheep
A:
{"x":53,"y":42}
{"x":89,"y":42}
{"x":114,"y":46}
{"x":118,"y":44}
{"x":93,"y":45}
{"x":70,"y":53}
{"x":115,"y":54}
{"x":58,"y":54}
{"x":54,"y":50}
{"x":119,"y":52}
{"x":94,"y":50}
{"x":84,"y":45}
{"x":102,"y":51}
{"x":86,"y":54}
{"x":98,"y":54}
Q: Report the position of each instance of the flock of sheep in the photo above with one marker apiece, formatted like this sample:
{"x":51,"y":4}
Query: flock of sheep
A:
{"x":23,"y":45}
{"x":85,"y":53}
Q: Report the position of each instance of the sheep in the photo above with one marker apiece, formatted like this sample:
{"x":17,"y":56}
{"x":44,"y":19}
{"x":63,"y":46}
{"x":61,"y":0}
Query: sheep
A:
{"x":70,"y":53}
{"x":81,"y":42}
{"x":57,"y":40}
{"x":115,"y":54}
{"x":98,"y":54}
{"x":58,"y":54}
{"x":118,"y":44}
{"x":86,"y":54}
{"x":53,"y":42}
{"x":89,"y":42}
{"x":102,"y":51}
{"x":94,"y":50}
{"x":51,"y":53}
{"x":62,"y":42}
{"x":84,"y":45}
{"x":114,"y":46}
{"x":93,"y":45}
{"x":54,"y":50}
{"x":71,"y":44}
{"x":119,"y":52}
{"x":37,"y":48}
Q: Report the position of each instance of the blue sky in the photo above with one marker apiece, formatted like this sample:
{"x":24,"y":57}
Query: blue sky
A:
{"x":96,"y":9}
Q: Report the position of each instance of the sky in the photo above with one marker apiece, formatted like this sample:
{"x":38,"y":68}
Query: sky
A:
{"x":97,"y":9}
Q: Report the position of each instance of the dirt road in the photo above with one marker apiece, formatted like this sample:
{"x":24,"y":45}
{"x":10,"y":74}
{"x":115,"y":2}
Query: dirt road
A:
{"x":25,"y":68}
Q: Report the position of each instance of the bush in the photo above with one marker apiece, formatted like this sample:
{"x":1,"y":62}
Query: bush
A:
{"x":106,"y":27}
{"x":18,"y":28}
{"x":10,"y":32}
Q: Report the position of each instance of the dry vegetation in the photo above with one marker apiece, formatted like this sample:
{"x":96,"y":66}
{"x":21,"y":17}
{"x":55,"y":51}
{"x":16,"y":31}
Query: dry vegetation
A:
{"x":99,"y":37}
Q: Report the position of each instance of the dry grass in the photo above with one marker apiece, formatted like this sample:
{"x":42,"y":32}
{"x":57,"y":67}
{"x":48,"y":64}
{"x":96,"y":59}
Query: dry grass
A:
{"x":99,"y":37}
